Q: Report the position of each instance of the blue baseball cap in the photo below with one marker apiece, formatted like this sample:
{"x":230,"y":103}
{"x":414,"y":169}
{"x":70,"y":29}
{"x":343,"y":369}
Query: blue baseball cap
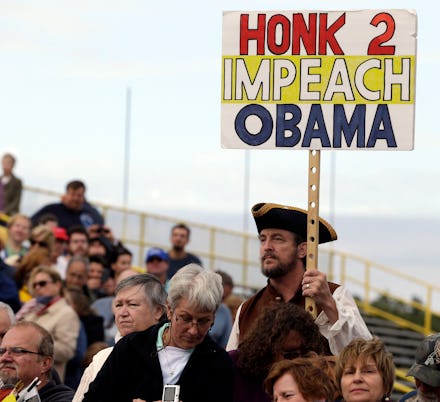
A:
{"x":156,"y":252}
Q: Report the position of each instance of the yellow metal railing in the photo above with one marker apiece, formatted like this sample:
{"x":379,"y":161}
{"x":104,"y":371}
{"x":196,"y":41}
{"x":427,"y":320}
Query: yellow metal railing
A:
{"x":237,"y":253}
{"x":401,"y":376}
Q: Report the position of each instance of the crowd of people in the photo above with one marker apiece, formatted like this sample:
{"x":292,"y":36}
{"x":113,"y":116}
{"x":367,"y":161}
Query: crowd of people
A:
{"x":78,"y":322}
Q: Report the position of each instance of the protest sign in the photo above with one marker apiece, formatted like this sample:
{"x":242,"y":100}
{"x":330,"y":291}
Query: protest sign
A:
{"x":319,"y":80}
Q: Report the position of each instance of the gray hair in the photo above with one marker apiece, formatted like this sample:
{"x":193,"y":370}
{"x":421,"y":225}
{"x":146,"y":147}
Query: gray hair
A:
{"x":9,"y":312}
{"x":45,"y":344}
{"x":154,"y":292}
{"x":75,"y":258}
{"x":201,"y":287}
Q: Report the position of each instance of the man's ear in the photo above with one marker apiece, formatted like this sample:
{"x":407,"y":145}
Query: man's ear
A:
{"x":46,"y":364}
{"x":301,"y":251}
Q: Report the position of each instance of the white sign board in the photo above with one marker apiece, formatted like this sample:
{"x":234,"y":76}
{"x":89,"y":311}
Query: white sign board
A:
{"x":319,"y":80}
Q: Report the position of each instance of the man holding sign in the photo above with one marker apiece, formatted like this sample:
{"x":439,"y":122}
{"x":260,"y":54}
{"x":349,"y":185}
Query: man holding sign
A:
{"x":313,"y":80}
{"x":283,"y":249}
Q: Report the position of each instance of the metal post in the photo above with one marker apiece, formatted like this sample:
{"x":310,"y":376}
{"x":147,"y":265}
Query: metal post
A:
{"x":126,"y":180}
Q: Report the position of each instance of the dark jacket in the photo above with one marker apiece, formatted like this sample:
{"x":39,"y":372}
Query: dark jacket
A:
{"x":8,"y":287}
{"x":133,"y":371}
{"x":12,"y":195}
{"x":53,"y":392}
{"x":86,"y":216}
{"x":246,"y":389}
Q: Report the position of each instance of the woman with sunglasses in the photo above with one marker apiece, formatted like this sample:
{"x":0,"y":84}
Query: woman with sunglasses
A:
{"x":177,"y":351}
{"x":42,"y":236}
{"x":49,"y":308}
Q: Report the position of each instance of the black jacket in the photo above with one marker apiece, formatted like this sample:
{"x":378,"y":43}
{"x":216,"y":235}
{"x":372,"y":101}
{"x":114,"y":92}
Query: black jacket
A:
{"x":53,"y":392}
{"x":133,"y":371}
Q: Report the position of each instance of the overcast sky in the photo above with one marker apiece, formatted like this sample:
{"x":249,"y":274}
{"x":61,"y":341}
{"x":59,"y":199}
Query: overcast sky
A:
{"x":65,"y":68}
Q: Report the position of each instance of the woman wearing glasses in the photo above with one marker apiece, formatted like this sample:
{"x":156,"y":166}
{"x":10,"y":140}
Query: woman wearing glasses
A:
{"x":177,"y":351}
{"x":49,"y":308}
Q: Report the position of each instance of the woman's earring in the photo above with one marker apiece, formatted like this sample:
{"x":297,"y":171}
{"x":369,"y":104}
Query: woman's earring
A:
{"x":387,"y":398}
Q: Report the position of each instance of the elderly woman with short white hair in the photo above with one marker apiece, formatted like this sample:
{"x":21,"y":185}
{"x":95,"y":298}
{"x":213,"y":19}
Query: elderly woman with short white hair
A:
{"x":178,"y":351}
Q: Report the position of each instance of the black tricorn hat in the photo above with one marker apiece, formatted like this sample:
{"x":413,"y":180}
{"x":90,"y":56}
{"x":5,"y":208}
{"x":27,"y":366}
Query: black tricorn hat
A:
{"x":276,"y":216}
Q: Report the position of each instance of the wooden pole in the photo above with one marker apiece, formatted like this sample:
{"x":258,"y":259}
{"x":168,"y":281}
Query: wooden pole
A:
{"x":313,"y":221}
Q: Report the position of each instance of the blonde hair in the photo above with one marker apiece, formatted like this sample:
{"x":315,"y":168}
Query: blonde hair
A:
{"x":47,"y":235}
{"x":361,"y":350}
{"x":14,"y":218}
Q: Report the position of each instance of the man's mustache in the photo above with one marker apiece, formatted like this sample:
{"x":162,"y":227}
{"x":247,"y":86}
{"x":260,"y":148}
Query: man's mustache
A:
{"x":268,"y":255}
{"x":8,"y":366}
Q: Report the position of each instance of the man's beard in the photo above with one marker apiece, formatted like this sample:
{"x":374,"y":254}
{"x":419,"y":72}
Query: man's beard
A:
{"x":7,"y":380}
{"x":279,"y":271}
{"x":178,"y":248}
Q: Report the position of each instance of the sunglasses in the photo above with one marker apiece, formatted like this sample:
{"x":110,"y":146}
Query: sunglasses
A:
{"x":41,"y":284}
{"x":39,"y":243}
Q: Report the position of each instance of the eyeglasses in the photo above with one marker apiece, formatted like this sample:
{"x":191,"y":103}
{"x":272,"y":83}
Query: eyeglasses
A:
{"x":41,"y":284}
{"x":187,"y":320}
{"x":39,"y":243}
{"x":17,"y":351}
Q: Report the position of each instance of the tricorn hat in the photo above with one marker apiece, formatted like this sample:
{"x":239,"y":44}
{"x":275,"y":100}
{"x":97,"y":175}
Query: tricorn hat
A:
{"x":276,"y":216}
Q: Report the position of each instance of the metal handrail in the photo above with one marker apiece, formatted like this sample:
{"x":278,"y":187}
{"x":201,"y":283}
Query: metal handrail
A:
{"x":237,"y":253}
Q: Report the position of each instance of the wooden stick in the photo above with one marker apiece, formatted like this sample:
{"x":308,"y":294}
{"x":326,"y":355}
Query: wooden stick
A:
{"x":313,"y":221}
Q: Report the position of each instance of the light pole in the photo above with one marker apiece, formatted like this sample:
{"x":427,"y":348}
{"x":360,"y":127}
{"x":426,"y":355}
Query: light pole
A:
{"x":126,"y":180}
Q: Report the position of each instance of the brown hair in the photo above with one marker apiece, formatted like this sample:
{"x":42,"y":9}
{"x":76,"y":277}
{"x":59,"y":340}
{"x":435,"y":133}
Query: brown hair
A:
{"x":10,"y":156}
{"x":272,"y":327}
{"x":75,"y":185}
{"x":312,"y":375}
{"x":91,"y":351}
{"x":361,"y":350}
{"x":33,"y":258}
{"x":53,"y":274}
{"x":182,"y":225}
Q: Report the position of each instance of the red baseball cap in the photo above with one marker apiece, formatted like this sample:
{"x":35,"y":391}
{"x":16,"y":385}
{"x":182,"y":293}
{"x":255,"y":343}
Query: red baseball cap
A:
{"x":60,"y":233}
